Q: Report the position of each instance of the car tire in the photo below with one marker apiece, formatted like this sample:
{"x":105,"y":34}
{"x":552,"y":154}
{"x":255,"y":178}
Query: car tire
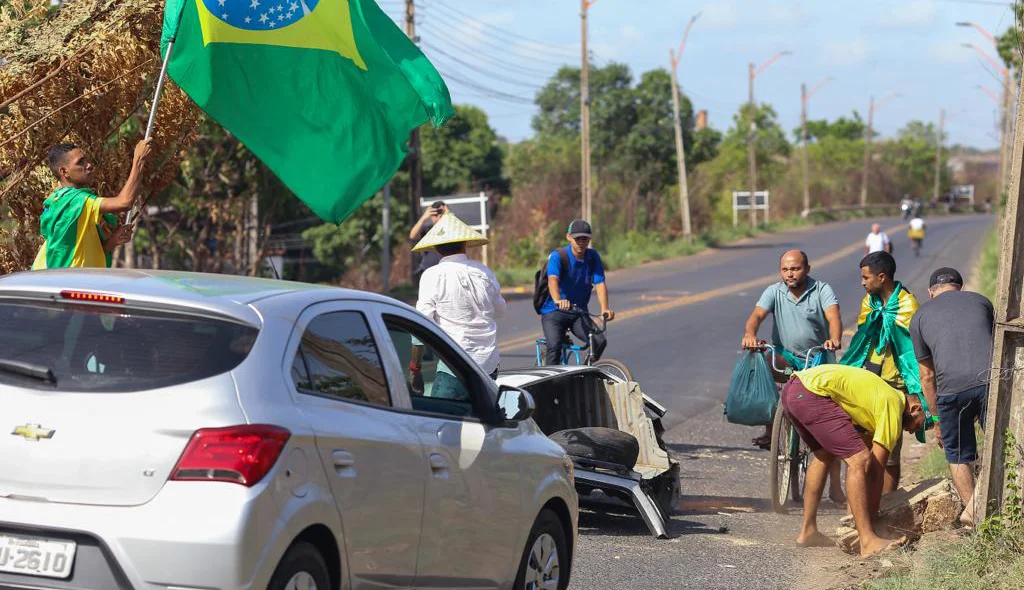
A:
{"x":600,"y":444}
{"x":301,"y":568}
{"x":545,"y":558}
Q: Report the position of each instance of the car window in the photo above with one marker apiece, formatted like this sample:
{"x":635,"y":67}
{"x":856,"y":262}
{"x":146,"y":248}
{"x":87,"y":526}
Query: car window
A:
{"x":116,"y":349}
{"x":338,"y":358}
{"x":437,"y":381}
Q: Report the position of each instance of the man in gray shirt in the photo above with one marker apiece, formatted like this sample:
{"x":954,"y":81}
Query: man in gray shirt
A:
{"x":806,"y":314}
{"x":952,"y":335}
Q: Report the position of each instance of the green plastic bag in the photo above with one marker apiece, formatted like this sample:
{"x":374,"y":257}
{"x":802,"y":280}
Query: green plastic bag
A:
{"x":752,"y":397}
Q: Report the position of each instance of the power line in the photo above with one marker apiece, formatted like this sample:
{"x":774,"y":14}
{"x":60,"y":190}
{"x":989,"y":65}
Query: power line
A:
{"x":489,"y":92}
{"x":488,"y":73}
{"x":560,"y":50}
{"x":479,"y":53}
{"x":493,"y":44}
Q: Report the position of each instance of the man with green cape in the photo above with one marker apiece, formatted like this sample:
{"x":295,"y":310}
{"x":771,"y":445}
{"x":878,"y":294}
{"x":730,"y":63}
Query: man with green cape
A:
{"x":81,"y":228}
{"x":882,"y":343}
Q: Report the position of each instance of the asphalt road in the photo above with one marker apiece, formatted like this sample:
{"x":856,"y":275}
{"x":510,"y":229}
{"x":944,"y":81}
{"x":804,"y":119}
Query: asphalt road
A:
{"x":679,"y":327}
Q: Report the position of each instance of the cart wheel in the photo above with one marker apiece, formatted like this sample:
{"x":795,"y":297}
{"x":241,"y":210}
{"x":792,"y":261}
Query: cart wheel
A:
{"x":780,"y":464}
{"x":616,"y":368}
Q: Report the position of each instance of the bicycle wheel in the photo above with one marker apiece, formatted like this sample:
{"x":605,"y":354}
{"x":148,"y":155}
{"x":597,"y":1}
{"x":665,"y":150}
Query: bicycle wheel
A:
{"x":780,"y":463}
{"x":616,"y":368}
{"x":800,"y":459}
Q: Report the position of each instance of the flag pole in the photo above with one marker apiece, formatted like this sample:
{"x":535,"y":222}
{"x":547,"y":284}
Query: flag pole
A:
{"x":156,"y":101}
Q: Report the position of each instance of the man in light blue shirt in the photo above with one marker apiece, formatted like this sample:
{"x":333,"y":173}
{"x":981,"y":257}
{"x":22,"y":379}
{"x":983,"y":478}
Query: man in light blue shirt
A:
{"x":805,"y":314}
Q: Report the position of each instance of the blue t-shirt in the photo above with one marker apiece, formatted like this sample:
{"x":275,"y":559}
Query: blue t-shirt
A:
{"x":578,"y":282}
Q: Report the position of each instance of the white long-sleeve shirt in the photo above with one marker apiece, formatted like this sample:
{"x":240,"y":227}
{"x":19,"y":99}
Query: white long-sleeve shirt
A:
{"x":463,"y":297}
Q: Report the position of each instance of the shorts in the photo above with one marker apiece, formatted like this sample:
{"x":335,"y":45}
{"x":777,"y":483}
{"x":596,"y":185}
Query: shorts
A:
{"x":957,"y":413}
{"x":821,"y":423}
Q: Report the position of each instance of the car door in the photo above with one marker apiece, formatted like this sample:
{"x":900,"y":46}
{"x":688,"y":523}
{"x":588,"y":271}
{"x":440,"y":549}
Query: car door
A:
{"x":371,"y":453}
{"x":474,"y":497}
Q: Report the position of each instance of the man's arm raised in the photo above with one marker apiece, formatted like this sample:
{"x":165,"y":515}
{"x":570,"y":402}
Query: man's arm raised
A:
{"x":126,"y":198}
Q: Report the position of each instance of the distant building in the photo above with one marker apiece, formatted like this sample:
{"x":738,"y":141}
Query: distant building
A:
{"x":702,"y":119}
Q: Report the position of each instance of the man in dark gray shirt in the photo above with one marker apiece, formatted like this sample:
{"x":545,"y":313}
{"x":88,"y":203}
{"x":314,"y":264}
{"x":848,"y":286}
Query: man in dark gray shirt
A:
{"x":952,"y":335}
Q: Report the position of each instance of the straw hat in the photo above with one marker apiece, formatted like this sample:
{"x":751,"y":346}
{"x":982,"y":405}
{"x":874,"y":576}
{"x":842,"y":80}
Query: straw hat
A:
{"x":449,"y":230}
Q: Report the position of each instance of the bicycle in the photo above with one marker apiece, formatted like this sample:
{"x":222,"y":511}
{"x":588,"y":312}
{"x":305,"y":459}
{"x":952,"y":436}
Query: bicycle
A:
{"x":790,"y":456}
{"x":576,"y":352}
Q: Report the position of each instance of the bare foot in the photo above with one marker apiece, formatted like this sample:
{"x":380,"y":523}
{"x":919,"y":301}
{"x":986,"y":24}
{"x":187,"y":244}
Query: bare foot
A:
{"x":966,"y":520}
{"x":839,"y":502}
{"x":880,"y":545}
{"x":814,"y":540}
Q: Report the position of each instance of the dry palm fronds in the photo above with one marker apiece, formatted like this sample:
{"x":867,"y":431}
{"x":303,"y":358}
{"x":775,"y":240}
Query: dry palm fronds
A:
{"x":84,"y":73}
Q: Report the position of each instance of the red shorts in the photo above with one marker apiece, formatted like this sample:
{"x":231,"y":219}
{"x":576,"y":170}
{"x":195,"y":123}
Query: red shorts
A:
{"x":822,"y":424}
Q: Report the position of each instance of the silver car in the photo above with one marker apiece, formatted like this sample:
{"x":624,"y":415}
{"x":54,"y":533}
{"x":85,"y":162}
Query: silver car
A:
{"x":163,"y":430}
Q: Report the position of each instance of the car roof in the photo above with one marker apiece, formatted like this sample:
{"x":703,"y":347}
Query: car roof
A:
{"x":218,"y":294}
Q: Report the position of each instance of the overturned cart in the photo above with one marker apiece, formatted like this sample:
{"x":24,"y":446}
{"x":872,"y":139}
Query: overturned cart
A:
{"x":611,"y":430}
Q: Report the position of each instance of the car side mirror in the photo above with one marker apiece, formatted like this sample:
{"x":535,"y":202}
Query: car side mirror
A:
{"x":514,"y":404}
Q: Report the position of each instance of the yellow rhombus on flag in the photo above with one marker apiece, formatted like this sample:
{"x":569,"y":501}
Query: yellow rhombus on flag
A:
{"x":290,"y":23}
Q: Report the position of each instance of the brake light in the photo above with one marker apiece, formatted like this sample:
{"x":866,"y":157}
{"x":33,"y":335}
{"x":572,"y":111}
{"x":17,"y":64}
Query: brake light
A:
{"x":91,"y":297}
{"x":236,"y":454}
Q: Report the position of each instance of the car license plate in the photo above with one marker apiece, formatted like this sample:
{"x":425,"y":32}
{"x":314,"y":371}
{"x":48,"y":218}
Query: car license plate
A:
{"x":36,"y":557}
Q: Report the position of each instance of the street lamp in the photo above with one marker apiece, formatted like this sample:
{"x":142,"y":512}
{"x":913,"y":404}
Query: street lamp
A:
{"x":751,"y":156}
{"x":872,"y":107}
{"x":1004,"y":124}
{"x":587,"y":205}
{"x":684,"y":192}
{"x":804,"y":97}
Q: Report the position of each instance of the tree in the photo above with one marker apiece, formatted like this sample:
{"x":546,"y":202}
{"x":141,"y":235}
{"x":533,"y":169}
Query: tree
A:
{"x":841,"y":128}
{"x":463,"y":155}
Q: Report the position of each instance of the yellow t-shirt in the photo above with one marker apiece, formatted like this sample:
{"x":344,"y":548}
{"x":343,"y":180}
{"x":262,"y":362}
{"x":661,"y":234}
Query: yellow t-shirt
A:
{"x":88,"y":247}
{"x":871,"y":403}
{"x":908,"y":307}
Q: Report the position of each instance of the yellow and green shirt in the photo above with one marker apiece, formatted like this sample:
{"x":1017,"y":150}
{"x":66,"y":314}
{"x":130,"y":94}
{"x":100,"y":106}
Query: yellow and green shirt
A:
{"x":70,"y":224}
{"x":871,"y":403}
{"x":905,"y":310}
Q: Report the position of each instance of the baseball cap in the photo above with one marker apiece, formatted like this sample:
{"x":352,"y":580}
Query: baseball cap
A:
{"x":945,"y":276}
{"x":437,"y":204}
{"x":579,"y":228}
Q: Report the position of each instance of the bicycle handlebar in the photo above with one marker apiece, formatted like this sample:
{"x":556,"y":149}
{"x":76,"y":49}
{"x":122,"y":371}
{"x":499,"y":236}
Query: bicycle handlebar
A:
{"x":764,"y":347}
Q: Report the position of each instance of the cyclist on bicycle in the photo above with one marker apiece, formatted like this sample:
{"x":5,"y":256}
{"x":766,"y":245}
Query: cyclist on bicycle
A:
{"x":574,"y":272}
{"x":916,"y":233}
{"x":805,"y":314}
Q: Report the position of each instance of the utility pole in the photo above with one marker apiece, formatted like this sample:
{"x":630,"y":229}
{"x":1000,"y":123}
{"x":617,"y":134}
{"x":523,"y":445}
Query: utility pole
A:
{"x":751,"y":155}
{"x":803,"y":136}
{"x":1006,"y":131}
{"x":867,"y":154}
{"x":385,"y":243}
{"x":684,"y":190}
{"x":938,"y":156}
{"x":415,"y":160}
{"x":585,"y":113}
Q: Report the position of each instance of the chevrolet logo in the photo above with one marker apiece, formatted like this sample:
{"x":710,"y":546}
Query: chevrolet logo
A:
{"x":33,"y":432}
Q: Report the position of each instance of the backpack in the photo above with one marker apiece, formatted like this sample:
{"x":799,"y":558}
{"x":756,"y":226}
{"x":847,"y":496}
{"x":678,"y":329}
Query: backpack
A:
{"x":540,"y":278}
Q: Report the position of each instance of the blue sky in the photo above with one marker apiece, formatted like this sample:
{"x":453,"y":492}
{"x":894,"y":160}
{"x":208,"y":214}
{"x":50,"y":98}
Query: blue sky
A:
{"x":496,"y":53}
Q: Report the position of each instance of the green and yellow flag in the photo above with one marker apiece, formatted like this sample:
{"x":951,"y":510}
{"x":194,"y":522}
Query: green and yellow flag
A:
{"x":324,"y":92}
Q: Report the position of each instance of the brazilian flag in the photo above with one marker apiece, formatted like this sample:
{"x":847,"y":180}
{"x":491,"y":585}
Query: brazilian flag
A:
{"x":324,"y":92}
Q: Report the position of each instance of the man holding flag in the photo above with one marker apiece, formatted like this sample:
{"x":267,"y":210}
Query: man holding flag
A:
{"x":324,"y":92}
{"x":79,"y":227}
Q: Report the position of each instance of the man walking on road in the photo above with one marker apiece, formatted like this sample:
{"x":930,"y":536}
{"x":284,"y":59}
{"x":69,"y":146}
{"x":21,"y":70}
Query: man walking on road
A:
{"x":574,"y":272}
{"x":877,"y":241}
{"x":952,"y":336}
{"x":825,"y":404}
{"x":882,"y":343}
{"x":806,"y":314}
{"x":461,"y":295}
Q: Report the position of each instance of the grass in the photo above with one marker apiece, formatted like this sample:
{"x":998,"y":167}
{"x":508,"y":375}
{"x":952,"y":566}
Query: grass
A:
{"x":988,"y":266}
{"x":992,"y":559}
{"x":933,"y":464}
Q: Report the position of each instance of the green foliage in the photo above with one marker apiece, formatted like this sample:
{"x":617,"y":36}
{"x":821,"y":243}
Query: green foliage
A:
{"x":463,"y":155}
{"x":988,"y":268}
{"x":357,"y":241}
{"x":842,"y":128}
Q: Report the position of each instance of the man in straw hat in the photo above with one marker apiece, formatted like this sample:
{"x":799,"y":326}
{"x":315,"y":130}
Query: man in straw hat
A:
{"x":461,"y":295}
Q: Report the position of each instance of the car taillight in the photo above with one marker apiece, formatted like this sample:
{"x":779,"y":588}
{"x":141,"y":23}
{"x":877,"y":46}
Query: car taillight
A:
{"x":237,"y":454}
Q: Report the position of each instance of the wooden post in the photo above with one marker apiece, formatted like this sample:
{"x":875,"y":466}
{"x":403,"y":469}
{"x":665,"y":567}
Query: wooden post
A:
{"x":1006,"y":389}
{"x":585,"y":184}
{"x":684,"y":193}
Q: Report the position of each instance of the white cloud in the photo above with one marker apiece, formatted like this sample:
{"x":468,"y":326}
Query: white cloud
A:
{"x":916,"y":13}
{"x":845,"y":53}
{"x":721,"y":15}
{"x":948,"y":51}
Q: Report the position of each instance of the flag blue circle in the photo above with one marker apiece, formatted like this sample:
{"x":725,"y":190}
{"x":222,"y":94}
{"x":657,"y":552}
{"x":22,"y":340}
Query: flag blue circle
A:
{"x":260,"y":15}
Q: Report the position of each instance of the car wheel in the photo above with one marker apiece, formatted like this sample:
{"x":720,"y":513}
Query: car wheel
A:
{"x":600,"y":444}
{"x":545,"y":561}
{"x":301,"y":568}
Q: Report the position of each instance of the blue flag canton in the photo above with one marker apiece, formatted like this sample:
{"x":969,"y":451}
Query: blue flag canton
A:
{"x":260,"y":15}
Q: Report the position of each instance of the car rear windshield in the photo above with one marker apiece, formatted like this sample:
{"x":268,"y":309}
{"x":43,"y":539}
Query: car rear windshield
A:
{"x":106,"y":349}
